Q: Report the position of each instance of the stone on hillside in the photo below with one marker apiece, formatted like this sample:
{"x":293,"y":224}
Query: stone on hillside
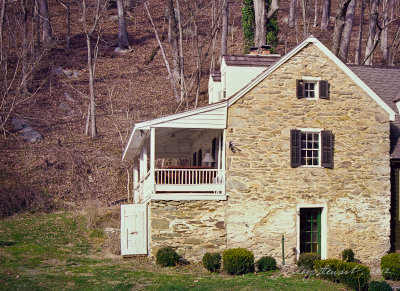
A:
{"x":31,"y":135}
{"x":19,"y":123}
{"x":58,"y":70}
{"x":67,"y":72}
{"x":75,"y":73}
{"x":69,"y":98}
{"x":121,"y":51}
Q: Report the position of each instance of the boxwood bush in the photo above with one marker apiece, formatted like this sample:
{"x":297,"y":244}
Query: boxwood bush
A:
{"x":306,"y":261}
{"x":379,"y":286}
{"x":348,"y":255}
{"x":390,"y":266}
{"x":266,"y":264}
{"x":166,"y":257}
{"x":238,"y":261}
{"x":352,"y":274}
{"x":212,"y":261}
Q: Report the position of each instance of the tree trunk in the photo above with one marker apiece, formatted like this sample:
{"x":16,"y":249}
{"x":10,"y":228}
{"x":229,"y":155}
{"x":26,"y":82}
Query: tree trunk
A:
{"x":384,"y":35}
{"x":173,"y":29}
{"x":394,"y":47}
{"x":326,"y":11}
{"x":224,"y":35}
{"x":315,"y":13}
{"x":93,"y":127}
{"x":260,"y":34}
{"x":305,"y":25}
{"x":181,"y":58}
{"x":45,"y":17}
{"x":373,"y":19}
{"x":68,"y":24}
{"x":339,"y":24}
{"x":357,"y":58}
{"x":24,"y":53}
{"x":346,"y":34}
{"x":3,"y":12}
{"x":123,"y":39}
{"x":292,"y":13}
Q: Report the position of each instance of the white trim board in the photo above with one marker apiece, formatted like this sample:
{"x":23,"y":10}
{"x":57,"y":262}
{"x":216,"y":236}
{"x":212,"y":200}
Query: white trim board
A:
{"x":331,"y":56}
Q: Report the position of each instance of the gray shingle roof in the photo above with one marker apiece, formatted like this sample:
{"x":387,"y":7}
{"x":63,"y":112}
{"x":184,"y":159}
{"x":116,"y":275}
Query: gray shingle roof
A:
{"x":216,"y":76}
{"x":251,"y":60}
{"x":385,"y":82}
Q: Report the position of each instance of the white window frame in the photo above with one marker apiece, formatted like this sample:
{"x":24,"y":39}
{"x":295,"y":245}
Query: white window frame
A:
{"x":314,"y":80}
{"x":313,"y":130}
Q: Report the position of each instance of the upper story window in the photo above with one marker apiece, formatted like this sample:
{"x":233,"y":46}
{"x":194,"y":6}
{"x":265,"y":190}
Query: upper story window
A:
{"x":312,"y":88}
{"x":311,"y":148}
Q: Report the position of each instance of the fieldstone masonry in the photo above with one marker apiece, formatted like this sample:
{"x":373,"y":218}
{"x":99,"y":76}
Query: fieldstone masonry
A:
{"x":263,"y":200}
{"x":192,"y":227}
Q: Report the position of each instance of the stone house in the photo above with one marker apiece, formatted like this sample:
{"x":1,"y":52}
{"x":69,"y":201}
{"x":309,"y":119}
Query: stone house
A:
{"x":303,"y":148}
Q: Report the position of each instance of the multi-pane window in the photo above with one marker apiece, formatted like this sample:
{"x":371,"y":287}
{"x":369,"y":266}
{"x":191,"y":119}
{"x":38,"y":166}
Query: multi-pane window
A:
{"x":310,"y":148}
{"x":309,"y":90}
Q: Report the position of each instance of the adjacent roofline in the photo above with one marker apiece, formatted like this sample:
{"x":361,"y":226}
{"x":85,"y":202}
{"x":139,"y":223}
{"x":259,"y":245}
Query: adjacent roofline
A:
{"x":146,"y":125}
{"x":329,"y":54}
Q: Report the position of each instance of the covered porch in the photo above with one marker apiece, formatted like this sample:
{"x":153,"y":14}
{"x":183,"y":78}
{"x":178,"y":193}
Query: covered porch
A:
{"x":180,"y":157}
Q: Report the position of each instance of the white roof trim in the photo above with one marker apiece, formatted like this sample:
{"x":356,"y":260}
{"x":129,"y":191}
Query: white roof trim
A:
{"x":146,"y":125}
{"x":328,"y":53}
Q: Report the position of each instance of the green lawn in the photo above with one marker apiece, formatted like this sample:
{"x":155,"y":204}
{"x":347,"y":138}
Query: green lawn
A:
{"x":58,"y":252}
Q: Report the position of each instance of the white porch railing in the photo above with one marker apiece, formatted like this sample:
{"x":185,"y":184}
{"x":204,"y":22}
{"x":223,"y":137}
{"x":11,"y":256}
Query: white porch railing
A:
{"x":188,"y":181}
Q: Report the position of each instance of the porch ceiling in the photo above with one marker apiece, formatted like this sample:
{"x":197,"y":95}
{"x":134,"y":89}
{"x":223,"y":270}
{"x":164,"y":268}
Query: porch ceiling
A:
{"x":182,"y":125}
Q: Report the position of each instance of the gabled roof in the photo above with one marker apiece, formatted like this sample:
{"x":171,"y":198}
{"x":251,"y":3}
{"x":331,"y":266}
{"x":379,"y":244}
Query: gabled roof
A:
{"x":328,"y":53}
{"x":251,"y":60}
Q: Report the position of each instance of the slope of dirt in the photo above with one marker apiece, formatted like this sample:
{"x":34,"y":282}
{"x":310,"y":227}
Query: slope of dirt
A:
{"x":70,"y":168}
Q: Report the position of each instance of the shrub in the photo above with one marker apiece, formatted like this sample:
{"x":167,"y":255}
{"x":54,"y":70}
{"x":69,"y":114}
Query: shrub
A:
{"x":266,"y":264}
{"x":306,"y":260}
{"x":238,"y":261}
{"x":166,"y":257}
{"x":212,"y":261}
{"x":379,"y":286}
{"x":390,"y":266}
{"x":352,"y":274}
{"x":348,"y":255}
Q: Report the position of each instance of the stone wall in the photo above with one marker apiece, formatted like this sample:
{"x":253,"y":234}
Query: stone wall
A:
{"x":191,"y":227}
{"x":263,"y":200}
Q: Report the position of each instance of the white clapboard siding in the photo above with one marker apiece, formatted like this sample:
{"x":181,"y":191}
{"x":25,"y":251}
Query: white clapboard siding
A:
{"x":133,"y":229}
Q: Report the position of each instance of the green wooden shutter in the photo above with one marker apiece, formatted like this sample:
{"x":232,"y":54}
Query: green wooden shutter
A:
{"x":327,"y":149}
{"x":295,"y":148}
{"x":323,"y":89}
{"x":300,"y":89}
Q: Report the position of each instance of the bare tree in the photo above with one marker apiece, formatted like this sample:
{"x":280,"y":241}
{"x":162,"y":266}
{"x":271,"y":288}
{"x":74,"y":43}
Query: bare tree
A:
{"x":2,"y":14}
{"x":394,"y":47}
{"x":305,"y":5}
{"x":357,"y":58}
{"x":339,"y":25}
{"x":346,"y":34}
{"x":47,"y":32}
{"x":224,"y":34}
{"x":385,"y":29}
{"x":123,"y":39}
{"x":371,"y":42}
{"x":173,"y":38}
{"x":292,"y":13}
{"x":92,"y":31}
{"x":315,"y":13}
{"x":326,"y":11}
{"x":25,"y":50}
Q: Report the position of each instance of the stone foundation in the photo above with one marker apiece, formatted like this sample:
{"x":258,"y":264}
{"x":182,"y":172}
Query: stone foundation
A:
{"x":191,"y":227}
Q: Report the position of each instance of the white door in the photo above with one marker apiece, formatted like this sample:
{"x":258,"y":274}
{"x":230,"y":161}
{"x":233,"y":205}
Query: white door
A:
{"x":134,"y":229}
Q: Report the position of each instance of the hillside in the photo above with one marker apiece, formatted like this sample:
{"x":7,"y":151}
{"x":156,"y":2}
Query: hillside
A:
{"x":68,"y":168}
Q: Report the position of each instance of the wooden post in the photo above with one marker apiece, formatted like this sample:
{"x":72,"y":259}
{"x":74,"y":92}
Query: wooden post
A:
{"x":145,"y":161}
{"x":223,"y":159}
{"x":135,"y":182}
{"x":152,"y":155}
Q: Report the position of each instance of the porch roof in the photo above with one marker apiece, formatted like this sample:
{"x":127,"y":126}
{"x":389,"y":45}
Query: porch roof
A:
{"x":213,"y":116}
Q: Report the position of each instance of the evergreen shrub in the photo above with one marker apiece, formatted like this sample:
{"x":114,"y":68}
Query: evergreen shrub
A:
{"x":390,"y":266}
{"x":238,"y":261}
{"x":266,"y":264}
{"x":212,"y":261}
{"x":166,"y":257}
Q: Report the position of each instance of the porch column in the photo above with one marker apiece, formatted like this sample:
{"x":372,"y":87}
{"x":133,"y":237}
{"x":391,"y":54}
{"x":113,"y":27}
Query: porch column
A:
{"x":144,"y":161}
{"x":152,"y":154}
{"x":141,"y":165}
{"x":135,"y":182}
{"x":223,"y":159}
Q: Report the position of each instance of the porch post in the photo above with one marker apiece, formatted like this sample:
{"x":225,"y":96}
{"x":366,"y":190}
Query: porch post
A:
{"x":144,"y":161}
{"x":152,"y":154}
{"x":135,"y":182}
{"x":223,"y":159}
{"x":141,"y":165}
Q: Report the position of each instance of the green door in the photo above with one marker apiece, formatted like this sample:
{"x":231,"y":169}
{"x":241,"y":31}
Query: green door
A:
{"x":310,"y":230}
